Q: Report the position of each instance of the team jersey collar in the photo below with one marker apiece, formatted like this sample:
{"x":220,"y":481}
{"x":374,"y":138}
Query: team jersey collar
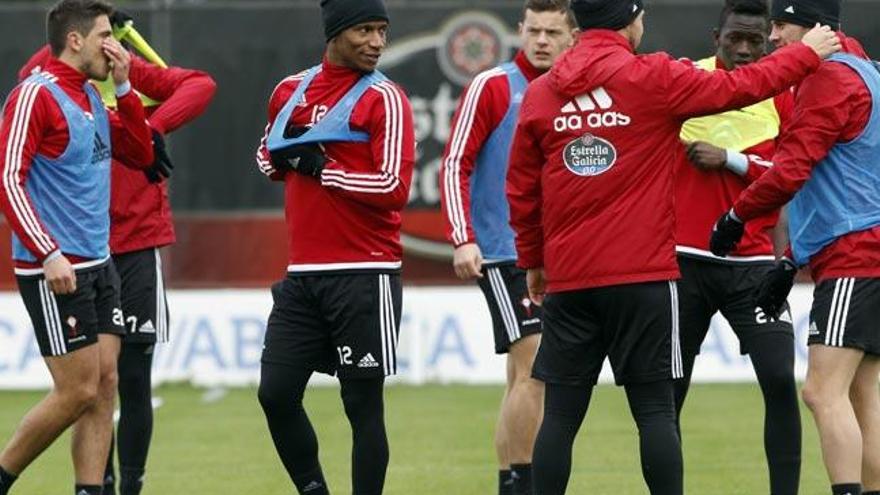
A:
{"x":67,"y":75}
{"x":529,"y":71}
{"x":605,"y":37}
{"x":338,"y":73}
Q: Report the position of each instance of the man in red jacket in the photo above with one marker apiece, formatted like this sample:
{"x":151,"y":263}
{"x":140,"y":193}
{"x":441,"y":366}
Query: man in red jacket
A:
{"x":727,"y":152}
{"x":825,"y":168}
{"x":340,"y":136}
{"x":591,"y":198}
{"x":472,"y":179}
{"x":58,"y":140}
{"x":140,"y":224}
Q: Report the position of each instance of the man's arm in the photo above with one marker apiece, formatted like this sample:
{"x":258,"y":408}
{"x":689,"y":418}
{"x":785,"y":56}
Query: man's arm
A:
{"x":184,"y":93}
{"x":475,"y":119}
{"x":131,"y":137}
{"x":280,"y":95}
{"x":25,"y":117}
{"x":524,"y":191}
{"x":392,"y":140}
{"x":825,"y":104}
{"x":691,"y":92}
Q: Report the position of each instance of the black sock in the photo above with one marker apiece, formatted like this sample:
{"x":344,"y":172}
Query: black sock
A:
{"x":364,"y":407}
{"x":135,"y":415}
{"x":564,"y":409}
{"x":847,"y":489}
{"x":522,"y":479}
{"x":109,"y":470}
{"x":773,"y":359}
{"x":505,"y":482}
{"x":6,"y":481}
{"x":87,"y":489}
{"x":653,"y":408}
{"x":280,"y":393}
{"x":131,"y":480}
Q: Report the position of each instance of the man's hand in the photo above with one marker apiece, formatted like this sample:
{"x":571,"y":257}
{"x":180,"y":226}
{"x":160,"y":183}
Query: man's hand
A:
{"x":535,"y":282}
{"x":727,"y":233}
{"x":162,"y":166}
{"x":305,"y":159}
{"x":823,"y":40}
{"x":120,"y":60}
{"x":468,"y":261}
{"x":119,"y":18}
{"x":771,"y":294}
{"x":60,"y":275}
{"x":706,"y":157}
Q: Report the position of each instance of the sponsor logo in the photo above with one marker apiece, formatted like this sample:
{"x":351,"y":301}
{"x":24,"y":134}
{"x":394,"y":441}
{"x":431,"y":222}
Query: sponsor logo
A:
{"x":100,"y":151}
{"x":147,"y":327}
{"x":314,"y":485}
{"x":368,"y":362}
{"x":790,"y":9}
{"x":434,"y":66}
{"x":594,"y":104}
{"x":589,"y":155}
{"x":533,"y":321}
{"x":814,"y":329}
{"x":71,"y":323}
{"x":786,"y":317}
{"x":527,"y":305}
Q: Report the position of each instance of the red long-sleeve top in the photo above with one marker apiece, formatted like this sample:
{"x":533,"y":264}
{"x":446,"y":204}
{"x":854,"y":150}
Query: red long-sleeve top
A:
{"x":33,"y":123}
{"x":140,"y":211}
{"x":831,"y":106}
{"x":349,"y":218}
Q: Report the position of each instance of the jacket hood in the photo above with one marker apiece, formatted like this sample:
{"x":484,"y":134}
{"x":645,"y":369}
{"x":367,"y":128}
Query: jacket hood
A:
{"x":591,"y":62}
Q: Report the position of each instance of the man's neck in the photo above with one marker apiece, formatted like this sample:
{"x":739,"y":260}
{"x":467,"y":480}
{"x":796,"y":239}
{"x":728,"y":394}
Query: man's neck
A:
{"x":70,"y":60}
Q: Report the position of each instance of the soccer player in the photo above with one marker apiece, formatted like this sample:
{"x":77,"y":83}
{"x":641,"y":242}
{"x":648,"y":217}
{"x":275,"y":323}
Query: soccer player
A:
{"x":140,"y":224}
{"x":57,"y":140}
{"x":590,"y":186}
{"x":340,"y":136}
{"x":727,"y":152}
{"x":827,"y":166}
{"x":472,"y":178}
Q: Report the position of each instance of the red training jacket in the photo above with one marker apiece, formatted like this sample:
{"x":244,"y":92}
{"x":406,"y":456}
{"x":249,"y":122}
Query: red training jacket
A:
{"x":33,"y":123}
{"x":140,"y":211}
{"x":349,"y":219}
{"x":481,"y":108}
{"x":701,"y":197}
{"x":831,"y":106}
{"x":590,"y":181}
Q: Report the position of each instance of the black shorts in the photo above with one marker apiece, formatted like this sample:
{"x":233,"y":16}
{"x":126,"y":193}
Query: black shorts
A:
{"x":635,"y":326}
{"x":66,"y":323}
{"x":846,"y":313}
{"x":707,"y":287}
{"x":513,"y":314}
{"x":144,"y":304}
{"x":345,"y":324}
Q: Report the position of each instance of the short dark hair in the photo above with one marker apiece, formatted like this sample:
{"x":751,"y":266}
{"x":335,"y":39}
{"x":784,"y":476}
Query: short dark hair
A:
{"x":757,"y":8}
{"x":551,"y":6}
{"x":72,"y":15}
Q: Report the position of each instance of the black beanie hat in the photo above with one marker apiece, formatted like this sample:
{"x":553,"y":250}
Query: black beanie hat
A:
{"x":605,"y":14}
{"x":340,"y":15}
{"x":807,"y":12}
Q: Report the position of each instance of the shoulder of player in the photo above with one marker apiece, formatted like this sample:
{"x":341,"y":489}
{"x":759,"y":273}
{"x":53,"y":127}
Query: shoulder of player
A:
{"x":831,"y":81}
{"x":30,"y":93}
{"x":383,"y":92}
{"x":287,"y":86}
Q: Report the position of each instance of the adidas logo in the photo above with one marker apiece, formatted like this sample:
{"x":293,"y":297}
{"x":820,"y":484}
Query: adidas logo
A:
{"x":790,"y":9}
{"x":594,"y":104}
{"x":314,"y":485}
{"x":100,"y":151}
{"x":786,"y":316}
{"x":368,"y":362}
{"x":814,"y":329}
{"x":147,"y":327}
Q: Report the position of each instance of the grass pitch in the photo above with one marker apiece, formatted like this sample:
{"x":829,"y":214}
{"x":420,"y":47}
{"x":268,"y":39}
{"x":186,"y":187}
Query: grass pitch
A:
{"x":216,"y":442}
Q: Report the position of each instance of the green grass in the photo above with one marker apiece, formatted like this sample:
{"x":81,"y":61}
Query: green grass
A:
{"x":441,"y":443}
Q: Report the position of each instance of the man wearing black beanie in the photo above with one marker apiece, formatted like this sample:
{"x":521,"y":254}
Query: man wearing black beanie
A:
{"x":591,"y":191}
{"x":826,"y":171}
{"x":340,"y":136}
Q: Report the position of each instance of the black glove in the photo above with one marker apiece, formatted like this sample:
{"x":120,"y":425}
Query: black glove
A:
{"x":725,"y":235}
{"x":162,"y":166}
{"x":119,"y":17}
{"x":305,"y":159}
{"x":771,"y":294}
